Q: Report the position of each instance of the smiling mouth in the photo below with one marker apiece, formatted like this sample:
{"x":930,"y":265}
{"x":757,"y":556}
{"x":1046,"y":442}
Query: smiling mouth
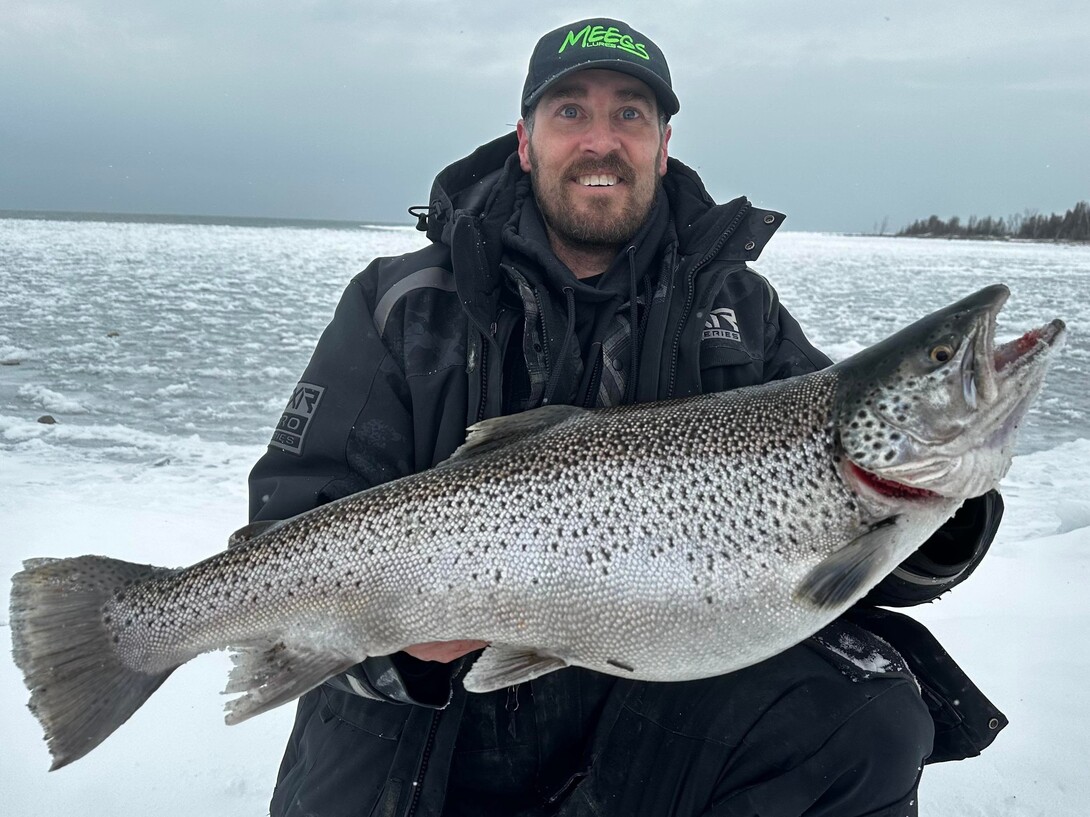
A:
{"x":598,"y":180}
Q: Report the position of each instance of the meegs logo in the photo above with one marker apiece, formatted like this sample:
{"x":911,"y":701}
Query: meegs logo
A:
{"x":595,"y":36}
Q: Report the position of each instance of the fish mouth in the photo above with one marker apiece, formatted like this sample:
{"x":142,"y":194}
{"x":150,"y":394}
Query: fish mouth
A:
{"x":1020,"y":351}
{"x":1012,"y":360}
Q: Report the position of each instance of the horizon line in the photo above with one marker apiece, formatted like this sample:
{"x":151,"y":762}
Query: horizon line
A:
{"x":204,"y":220}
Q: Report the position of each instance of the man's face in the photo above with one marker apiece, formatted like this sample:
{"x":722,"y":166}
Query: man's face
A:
{"x":595,"y":156}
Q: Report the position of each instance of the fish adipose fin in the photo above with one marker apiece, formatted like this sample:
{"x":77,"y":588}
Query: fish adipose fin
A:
{"x":80,"y":691}
{"x":501,"y":665}
{"x":273,"y":675}
{"x":852,"y":570}
{"x":497,"y":432}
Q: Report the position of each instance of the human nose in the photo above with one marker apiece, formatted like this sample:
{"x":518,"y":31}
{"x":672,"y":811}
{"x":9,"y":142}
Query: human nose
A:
{"x":600,"y":136}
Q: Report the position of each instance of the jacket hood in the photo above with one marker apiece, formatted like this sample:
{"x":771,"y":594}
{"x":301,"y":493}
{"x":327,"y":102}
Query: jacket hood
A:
{"x":470,"y":184}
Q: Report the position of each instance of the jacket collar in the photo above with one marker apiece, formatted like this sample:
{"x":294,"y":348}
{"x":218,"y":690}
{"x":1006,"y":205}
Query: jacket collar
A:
{"x":474,"y":197}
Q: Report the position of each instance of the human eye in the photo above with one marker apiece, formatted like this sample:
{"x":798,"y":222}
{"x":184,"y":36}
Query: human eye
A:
{"x":631,"y":114}
{"x":569,"y":112}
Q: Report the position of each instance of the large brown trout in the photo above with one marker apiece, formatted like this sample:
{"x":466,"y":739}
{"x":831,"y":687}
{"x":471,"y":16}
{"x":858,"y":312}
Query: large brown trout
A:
{"x":664,"y":541}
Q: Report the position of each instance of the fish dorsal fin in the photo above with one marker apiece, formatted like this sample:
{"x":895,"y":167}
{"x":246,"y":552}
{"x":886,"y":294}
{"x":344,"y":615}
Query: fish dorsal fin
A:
{"x":497,"y":432}
{"x":251,"y":531}
{"x":502,"y":665}
{"x":852,"y":570}
{"x":273,"y":675}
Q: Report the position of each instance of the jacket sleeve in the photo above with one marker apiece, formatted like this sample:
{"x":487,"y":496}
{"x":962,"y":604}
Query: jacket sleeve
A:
{"x":347,"y":427}
{"x":955,"y":549}
{"x":946,"y":559}
{"x":347,"y":423}
{"x":788,"y":352}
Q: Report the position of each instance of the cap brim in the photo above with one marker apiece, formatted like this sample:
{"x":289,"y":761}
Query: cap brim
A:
{"x":665,"y":95}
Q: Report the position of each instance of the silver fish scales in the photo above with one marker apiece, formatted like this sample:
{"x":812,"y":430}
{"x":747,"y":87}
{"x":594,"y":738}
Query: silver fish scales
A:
{"x":664,"y":541}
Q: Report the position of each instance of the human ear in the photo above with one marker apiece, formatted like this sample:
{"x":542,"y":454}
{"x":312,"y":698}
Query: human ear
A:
{"x":524,"y":145}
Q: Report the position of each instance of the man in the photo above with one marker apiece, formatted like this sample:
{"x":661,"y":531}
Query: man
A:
{"x":574,"y":261}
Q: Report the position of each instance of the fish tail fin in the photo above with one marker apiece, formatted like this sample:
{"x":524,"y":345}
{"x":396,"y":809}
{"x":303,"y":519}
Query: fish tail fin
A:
{"x":80,"y":690}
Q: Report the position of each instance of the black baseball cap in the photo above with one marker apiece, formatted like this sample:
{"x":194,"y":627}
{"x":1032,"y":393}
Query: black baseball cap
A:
{"x":598,"y":43}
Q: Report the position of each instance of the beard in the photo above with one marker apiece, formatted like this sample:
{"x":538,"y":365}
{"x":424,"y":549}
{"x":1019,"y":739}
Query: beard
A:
{"x":595,"y":224}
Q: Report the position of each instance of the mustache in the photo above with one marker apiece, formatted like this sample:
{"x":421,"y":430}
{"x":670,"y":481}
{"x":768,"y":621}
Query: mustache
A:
{"x":611,"y":163}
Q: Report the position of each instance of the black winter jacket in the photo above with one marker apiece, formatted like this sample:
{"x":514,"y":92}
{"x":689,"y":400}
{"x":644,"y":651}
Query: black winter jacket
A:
{"x":416,"y":353}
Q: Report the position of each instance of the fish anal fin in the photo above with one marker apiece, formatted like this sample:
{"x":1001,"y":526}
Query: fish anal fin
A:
{"x":271,"y":675}
{"x":497,"y":432}
{"x":503,"y":665}
{"x":849,"y":572}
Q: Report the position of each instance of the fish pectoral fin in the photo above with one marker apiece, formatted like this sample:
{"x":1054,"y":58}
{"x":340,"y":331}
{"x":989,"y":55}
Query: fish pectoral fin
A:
{"x":496,"y":432}
{"x":273,"y":675}
{"x":852,"y":570}
{"x":251,"y":531}
{"x":502,"y":665}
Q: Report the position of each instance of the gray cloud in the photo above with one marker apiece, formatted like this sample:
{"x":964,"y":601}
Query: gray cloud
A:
{"x":840,"y":114}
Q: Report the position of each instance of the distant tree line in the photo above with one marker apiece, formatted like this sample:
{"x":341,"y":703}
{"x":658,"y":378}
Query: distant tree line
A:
{"x":1074,"y":225}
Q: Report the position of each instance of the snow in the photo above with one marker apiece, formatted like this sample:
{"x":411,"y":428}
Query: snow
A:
{"x":175,"y":755}
{"x":51,"y":400}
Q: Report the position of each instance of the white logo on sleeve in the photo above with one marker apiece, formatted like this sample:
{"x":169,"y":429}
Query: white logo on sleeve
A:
{"x":717,"y":323}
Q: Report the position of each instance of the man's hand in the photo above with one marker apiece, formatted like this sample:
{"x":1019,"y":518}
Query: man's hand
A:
{"x":444,"y":651}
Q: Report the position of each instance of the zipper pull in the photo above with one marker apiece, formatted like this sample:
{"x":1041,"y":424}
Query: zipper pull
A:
{"x":512,"y":706}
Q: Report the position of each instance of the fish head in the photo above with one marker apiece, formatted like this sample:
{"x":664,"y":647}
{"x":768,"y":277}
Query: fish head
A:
{"x":933,"y":411}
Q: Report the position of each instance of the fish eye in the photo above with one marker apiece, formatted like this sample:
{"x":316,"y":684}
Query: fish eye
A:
{"x":942,"y":353}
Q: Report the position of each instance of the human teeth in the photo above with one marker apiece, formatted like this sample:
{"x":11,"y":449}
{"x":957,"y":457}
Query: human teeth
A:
{"x":598,"y":180}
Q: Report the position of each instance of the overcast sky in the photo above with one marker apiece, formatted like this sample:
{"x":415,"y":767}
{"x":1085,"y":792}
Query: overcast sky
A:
{"x":841,"y":114}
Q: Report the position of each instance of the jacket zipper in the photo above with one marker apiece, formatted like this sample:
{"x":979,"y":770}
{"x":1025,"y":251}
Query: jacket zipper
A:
{"x":690,"y":290}
{"x":418,"y":784}
{"x":483,"y":404}
{"x":544,"y":329}
{"x":595,"y":380}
